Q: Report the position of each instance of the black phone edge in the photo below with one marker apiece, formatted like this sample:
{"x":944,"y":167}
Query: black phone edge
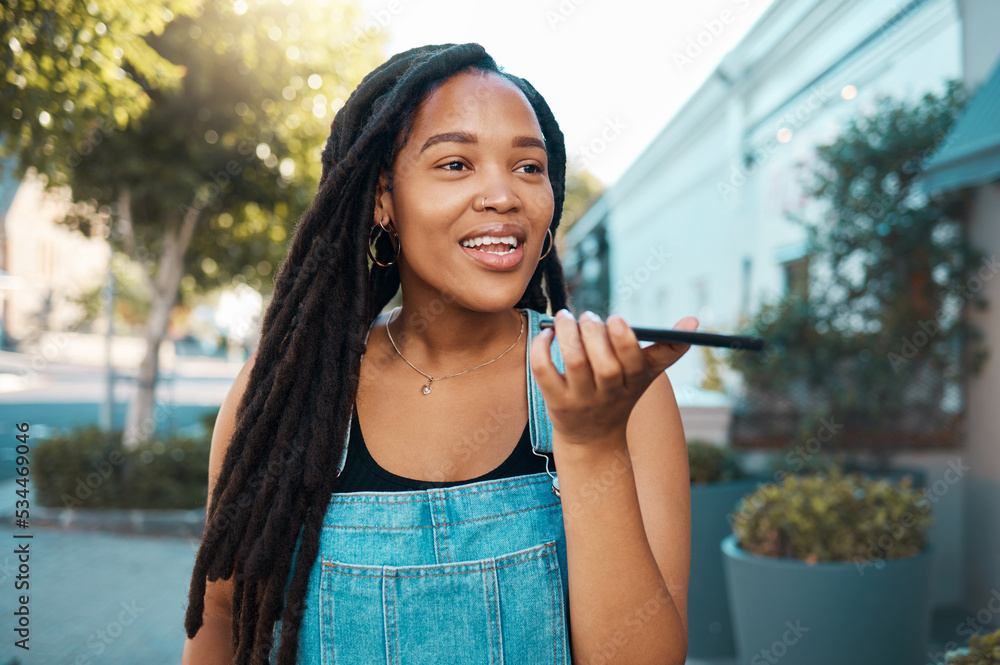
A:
{"x":734,"y":342}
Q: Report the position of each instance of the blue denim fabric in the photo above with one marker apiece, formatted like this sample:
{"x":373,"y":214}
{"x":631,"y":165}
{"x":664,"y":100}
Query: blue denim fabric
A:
{"x":468,"y":574}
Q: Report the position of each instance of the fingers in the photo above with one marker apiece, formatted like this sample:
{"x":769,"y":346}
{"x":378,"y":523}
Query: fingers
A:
{"x":662,"y":355}
{"x":687,"y":323}
{"x":597,"y":356}
{"x":546,"y":374}
{"x":605,"y":368}
{"x":574,"y":353}
{"x":626,"y":346}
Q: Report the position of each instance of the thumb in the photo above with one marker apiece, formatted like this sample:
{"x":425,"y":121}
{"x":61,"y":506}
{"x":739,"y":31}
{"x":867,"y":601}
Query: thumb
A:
{"x":662,"y":355}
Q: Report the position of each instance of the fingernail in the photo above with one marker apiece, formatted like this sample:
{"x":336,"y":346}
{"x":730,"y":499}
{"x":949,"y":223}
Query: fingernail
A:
{"x":590,"y":315}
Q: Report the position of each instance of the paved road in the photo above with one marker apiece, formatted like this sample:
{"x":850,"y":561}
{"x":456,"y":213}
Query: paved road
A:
{"x":96,"y":597}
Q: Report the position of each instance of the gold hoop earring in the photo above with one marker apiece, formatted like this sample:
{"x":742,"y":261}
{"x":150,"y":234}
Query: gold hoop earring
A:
{"x":551,"y":242}
{"x":394,"y":241}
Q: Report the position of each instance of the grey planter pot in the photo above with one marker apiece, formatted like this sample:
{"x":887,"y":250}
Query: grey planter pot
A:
{"x":710,"y":633}
{"x":828,"y":613}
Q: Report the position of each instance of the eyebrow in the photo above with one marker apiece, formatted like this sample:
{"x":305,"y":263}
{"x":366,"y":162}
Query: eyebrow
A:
{"x":466,"y":137}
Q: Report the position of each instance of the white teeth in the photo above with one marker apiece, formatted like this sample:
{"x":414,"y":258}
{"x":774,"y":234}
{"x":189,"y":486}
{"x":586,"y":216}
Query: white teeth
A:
{"x":490,"y":240}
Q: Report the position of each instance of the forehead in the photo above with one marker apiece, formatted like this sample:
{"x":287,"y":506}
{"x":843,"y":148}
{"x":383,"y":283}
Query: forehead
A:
{"x":476,"y":102}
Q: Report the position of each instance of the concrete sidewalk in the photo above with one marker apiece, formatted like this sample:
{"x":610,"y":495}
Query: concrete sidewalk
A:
{"x":96,"y":597}
{"x":97,"y":592}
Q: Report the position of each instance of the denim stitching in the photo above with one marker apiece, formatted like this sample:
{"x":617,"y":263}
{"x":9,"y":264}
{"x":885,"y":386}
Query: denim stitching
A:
{"x":337,"y":498}
{"x":395,"y":618}
{"x":552,"y":600}
{"x":557,"y":591}
{"x":486,"y":598}
{"x":332,"y":568}
{"x":441,"y":527}
{"x":435,"y":537}
{"x":327,"y":609}
{"x":411,"y":528}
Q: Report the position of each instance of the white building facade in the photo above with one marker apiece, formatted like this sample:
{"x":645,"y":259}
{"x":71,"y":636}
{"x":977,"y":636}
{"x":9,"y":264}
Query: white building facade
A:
{"x":699,"y":224}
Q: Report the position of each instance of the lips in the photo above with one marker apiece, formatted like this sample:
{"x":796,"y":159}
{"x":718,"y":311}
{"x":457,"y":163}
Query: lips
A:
{"x":507,"y":261}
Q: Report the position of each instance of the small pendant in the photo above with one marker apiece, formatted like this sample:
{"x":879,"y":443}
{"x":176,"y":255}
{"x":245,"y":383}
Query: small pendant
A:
{"x":427,"y":388}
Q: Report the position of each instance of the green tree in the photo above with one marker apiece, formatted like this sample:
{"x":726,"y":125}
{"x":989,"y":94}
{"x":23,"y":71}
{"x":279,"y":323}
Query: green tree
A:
{"x":204,"y":188}
{"x":880,"y":338}
{"x":582,"y":189}
{"x":75,"y":69}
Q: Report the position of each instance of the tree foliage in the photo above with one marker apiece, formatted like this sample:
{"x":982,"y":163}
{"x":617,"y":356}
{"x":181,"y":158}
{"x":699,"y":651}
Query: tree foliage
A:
{"x":880,"y":338}
{"x":582,"y":189}
{"x":71,"y":68}
{"x":198,"y":148}
{"x":239,"y":141}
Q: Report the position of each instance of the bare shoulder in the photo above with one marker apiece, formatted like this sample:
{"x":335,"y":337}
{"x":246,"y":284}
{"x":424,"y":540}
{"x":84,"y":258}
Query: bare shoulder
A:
{"x":219,"y":594}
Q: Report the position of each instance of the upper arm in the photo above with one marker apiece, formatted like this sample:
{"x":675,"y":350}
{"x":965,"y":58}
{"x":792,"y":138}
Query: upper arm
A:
{"x":219,"y":594}
{"x":658,"y":451}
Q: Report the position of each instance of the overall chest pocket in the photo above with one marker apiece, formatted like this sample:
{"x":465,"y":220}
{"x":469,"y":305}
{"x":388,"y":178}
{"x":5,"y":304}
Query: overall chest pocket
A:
{"x":504,"y":609}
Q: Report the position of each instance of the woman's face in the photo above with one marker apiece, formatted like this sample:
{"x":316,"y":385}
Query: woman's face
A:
{"x":474,"y":137}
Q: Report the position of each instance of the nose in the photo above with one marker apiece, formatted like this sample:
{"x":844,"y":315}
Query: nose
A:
{"x":499,"y":196}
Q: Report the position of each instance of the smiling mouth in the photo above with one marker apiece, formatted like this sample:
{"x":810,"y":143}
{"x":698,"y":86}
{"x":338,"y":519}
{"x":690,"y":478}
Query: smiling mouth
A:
{"x":492,"y":245}
{"x":499,"y":250}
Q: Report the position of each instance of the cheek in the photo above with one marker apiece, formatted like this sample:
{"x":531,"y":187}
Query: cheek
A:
{"x":541,"y":205}
{"x":430,"y":207}
{"x":425,"y":215}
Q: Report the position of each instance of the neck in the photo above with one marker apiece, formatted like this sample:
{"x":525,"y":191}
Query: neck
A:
{"x":441,"y":338}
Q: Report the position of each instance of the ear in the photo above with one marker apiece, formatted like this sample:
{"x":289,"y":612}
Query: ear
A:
{"x":383,"y":200}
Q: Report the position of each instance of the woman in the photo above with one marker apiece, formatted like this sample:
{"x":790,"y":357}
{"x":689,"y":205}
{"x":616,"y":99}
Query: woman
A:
{"x":432,"y":537}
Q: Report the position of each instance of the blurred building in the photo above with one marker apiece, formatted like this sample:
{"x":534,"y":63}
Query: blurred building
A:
{"x":45,"y":263}
{"x":698,"y":224}
{"x":970,"y":161}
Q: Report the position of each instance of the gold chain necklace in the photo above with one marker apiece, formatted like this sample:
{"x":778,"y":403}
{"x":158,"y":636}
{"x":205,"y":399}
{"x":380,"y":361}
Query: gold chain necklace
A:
{"x":426,"y":388}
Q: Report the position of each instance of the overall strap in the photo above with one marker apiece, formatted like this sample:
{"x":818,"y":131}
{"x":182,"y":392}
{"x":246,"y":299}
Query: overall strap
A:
{"x":538,"y":417}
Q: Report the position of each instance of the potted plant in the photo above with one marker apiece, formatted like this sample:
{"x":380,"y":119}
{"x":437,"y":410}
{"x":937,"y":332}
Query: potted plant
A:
{"x":718,"y":482}
{"x":982,"y":650}
{"x":807,"y":458}
{"x":830,"y":568}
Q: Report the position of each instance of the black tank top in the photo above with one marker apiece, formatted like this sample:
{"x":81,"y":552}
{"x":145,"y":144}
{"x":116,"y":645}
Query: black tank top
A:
{"x":363,"y":474}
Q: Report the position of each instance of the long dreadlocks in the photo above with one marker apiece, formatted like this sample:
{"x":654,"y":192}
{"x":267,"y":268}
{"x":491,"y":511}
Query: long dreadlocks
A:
{"x":276,"y":480}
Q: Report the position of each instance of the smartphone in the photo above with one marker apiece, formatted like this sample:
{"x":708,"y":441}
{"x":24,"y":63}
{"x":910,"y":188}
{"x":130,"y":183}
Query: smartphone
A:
{"x":734,"y":342}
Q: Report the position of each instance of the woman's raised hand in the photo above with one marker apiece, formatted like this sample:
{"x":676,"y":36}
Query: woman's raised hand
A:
{"x":606,"y":373}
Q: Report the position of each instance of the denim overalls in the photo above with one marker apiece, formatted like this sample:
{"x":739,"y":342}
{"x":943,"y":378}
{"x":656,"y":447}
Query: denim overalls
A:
{"x":465,"y":575}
